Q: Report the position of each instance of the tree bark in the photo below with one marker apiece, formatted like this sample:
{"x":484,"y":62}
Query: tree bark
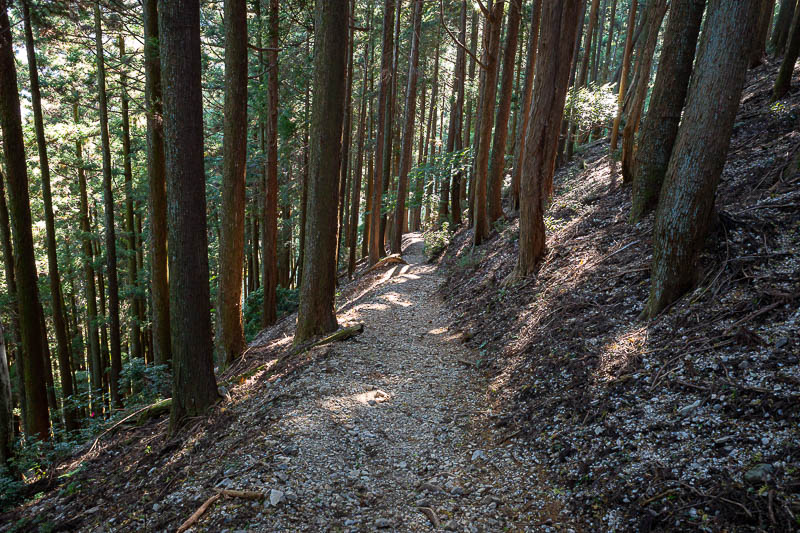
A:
{"x":497,"y":162}
{"x":157,"y":193}
{"x":315,"y":315}
{"x":230,"y":329}
{"x":780,"y":34}
{"x":375,"y":236}
{"x":57,"y":301}
{"x":194,"y":388}
{"x":108,"y":208}
{"x":626,"y":65}
{"x":784,"y":80}
{"x":269,"y":311}
{"x":759,"y":44}
{"x":655,"y":17}
{"x":6,"y":409}
{"x":559,"y":27}
{"x":493,"y":27}
{"x":611,"y":27}
{"x":660,"y":125}
{"x":527,"y":94}
{"x":135,"y":333}
{"x":684,"y":213}
{"x":37,"y":419}
{"x":408,"y":130}
{"x":458,"y":117}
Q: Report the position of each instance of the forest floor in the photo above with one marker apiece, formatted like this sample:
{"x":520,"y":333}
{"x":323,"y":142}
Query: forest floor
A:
{"x":388,"y":430}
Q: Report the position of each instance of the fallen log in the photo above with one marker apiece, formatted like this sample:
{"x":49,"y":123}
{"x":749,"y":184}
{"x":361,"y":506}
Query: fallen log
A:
{"x":388,"y":260}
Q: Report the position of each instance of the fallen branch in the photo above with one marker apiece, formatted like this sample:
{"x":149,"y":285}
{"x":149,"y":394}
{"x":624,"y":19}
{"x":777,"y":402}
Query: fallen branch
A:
{"x":167,"y":402}
{"x":428,"y":512}
{"x":198,"y":513}
{"x":388,"y":260}
{"x":340,"y":335}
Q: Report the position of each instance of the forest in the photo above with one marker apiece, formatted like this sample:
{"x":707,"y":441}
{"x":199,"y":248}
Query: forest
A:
{"x":356,"y":265}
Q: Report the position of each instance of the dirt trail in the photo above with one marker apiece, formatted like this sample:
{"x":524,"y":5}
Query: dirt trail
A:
{"x":387,"y":430}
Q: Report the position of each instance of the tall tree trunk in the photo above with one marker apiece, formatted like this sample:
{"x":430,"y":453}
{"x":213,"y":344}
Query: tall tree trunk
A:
{"x":408,"y":130}
{"x":430,"y":131}
{"x":497,"y":161}
{"x":11,"y":287}
{"x":527,"y":93}
{"x":157,"y":192}
{"x":59,"y":324}
{"x":95,"y":364}
{"x":626,"y":65}
{"x":344,"y":164}
{"x":269,"y":311}
{"x":657,"y":9}
{"x":559,"y":27}
{"x":384,"y":129}
{"x":230,"y":330}
{"x":458,"y":116}
{"x":38,"y":422}
{"x":494,"y":24}
{"x":780,"y":34}
{"x":784,"y":79}
{"x":660,"y":125}
{"x":612,"y":24}
{"x":108,"y":205}
{"x":759,"y":44}
{"x":6,"y":409}
{"x":194,"y":388}
{"x":473,"y":47}
{"x":134,"y":333}
{"x":316,"y":312}
{"x":102,"y":318}
{"x":684,"y":212}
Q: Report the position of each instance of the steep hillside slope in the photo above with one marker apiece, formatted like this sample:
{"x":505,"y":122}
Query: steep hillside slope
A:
{"x":689,"y":421}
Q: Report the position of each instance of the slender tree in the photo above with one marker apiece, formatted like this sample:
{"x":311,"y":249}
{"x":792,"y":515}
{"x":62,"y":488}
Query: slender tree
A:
{"x":230,"y":330}
{"x":498,"y":155}
{"x":626,"y":65}
{"x":269,"y":310}
{"x":558,"y":30}
{"x":108,"y":204}
{"x":316,"y":313}
{"x":408,"y":130}
{"x":660,"y":125}
{"x":759,"y":44}
{"x":38,"y":421}
{"x":527,"y":94}
{"x":494,"y":22}
{"x":57,"y":302}
{"x":194,"y":387}
{"x":157,"y":191}
{"x":784,"y":80}
{"x":457,"y":116}
{"x":6,"y":409}
{"x":684,"y":212}
{"x":783,"y":22}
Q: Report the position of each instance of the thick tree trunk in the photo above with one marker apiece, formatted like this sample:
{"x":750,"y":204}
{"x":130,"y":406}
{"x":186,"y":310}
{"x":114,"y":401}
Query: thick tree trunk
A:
{"x":655,"y":17}
{"x":38,"y":422}
{"x":784,"y":80}
{"x":230,"y":329}
{"x":497,"y":165}
{"x":684,"y":213}
{"x":527,"y":93}
{"x":135,"y":333}
{"x":269,"y":310}
{"x":493,"y":27}
{"x":57,"y":301}
{"x":108,"y":208}
{"x":780,"y":34}
{"x":375,"y":236}
{"x":559,"y":27}
{"x":157,"y":193}
{"x":660,"y":125}
{"x":408,"y":130}
{"x":626,"y":65}
{"x":194,"y":388}
{"x":315,"y":315}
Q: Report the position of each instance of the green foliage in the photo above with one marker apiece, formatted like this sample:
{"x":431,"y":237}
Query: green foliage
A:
{"x":287,"y":302}
{"x":593,"y":106}
{"x":148,"y":381}
{"x":436,"y":240}
{"x":10,"y":489}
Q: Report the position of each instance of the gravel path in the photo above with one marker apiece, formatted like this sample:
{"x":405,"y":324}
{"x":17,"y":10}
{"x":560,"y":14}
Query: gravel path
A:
{"x":389,"y":430}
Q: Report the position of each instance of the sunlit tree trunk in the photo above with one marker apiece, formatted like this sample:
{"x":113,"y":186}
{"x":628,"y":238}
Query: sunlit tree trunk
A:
{"x":316,"y":312}
{"x":38,"y":422}
{"x":626,"y":65}
{"x":687,"y":201}
{"x":660,"y":126}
